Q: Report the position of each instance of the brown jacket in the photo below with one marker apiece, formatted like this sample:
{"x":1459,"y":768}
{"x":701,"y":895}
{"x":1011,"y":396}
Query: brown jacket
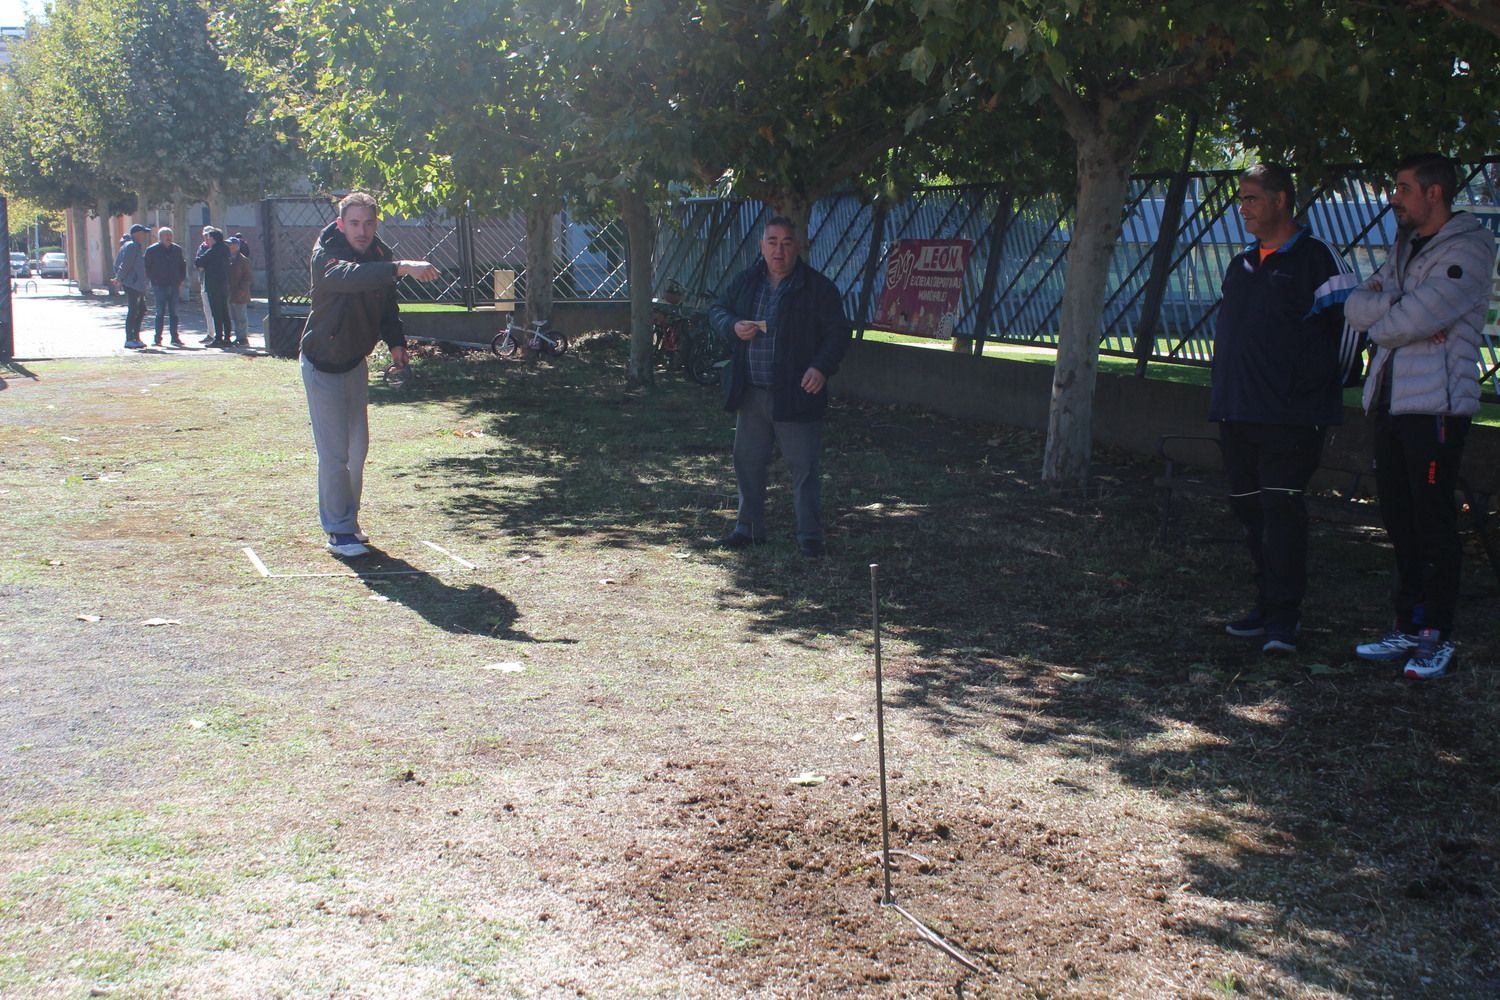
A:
{"x":239,"y":279}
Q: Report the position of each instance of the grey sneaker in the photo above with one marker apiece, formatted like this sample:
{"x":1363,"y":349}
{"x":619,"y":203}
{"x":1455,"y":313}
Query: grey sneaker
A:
{"x":1253,"y":624}
{"x":1431,"y":658}
{"x":347,"y":546}
{"x":1394,"y":645}
{"x":1280,"y":639}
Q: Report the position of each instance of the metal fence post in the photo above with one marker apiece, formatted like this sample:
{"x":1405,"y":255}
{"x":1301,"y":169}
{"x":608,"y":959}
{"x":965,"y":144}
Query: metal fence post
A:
{"x":268,"y":238}
{"x":1161,"y":260}
{"x":466,"y":255}
{"x":7,"y":328}
{"x":872,"y":263}
{"x":995,"y":253}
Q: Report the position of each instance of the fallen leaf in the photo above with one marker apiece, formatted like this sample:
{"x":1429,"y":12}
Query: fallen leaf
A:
{"x":1073,"y":676}
{"x":856,"y":737}
{"x":154,"y":622}
{"x":52,"y":562}
{"x":523,"y":559}
{"x":808,"y":778}
{"x":89,"y":618}
{"x":379,"y":597}
{"x":1317,"y":669}
{"x":508,"y":667}
{"x":197,"y":724}
{"x":682,"y":555}
{"x":65,"y":437}
{"x":609,"y":581}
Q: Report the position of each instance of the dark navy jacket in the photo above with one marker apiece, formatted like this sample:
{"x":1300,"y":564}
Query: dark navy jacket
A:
{"x":811,"y":332}
{"x":1281,"y":350}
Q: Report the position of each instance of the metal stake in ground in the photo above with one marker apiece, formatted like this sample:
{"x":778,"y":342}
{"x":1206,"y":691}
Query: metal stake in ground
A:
{"x":929,"y":935}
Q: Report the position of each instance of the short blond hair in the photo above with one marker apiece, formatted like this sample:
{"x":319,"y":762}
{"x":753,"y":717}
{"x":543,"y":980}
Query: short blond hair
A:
{"x":362,"y":198}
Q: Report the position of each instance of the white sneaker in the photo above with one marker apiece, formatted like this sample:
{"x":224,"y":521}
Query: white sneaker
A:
{"x":1394,"y":645}
{"x":347,"y":546}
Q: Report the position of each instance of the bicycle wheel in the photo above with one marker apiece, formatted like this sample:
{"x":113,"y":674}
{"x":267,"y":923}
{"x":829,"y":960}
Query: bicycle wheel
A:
{"x":505,"y":345}
{"x":703,"y":362}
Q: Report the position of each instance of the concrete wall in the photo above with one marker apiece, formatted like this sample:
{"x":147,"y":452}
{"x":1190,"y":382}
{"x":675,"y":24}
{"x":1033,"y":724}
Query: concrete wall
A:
{"x":1129,"y":413}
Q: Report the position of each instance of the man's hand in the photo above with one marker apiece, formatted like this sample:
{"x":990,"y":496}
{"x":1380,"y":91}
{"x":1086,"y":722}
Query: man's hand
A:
{"x":813,"y":381}
{"x":419,"y":269}
{"x":1374,"y":285}
{"x":398,"y":357}
{"x":746,"y":329}
{"x":1439,"y":337}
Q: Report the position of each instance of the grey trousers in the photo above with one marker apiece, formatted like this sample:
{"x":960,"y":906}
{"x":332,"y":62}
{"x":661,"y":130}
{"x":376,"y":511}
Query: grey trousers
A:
{"x":338,"y":405}
{"x":801,"y":443}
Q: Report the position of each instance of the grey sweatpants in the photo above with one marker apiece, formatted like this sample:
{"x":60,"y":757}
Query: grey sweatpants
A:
{"x":338,"y":406}
{"x":754,"y":435}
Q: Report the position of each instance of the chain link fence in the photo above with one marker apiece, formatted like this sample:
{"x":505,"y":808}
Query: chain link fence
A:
{"x":1012,"y":289}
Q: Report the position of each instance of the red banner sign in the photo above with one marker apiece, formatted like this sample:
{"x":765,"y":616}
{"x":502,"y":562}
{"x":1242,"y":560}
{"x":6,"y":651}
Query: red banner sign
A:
{"x":924,"y":280}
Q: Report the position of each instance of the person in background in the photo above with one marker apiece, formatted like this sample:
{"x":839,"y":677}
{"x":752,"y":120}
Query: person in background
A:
{"x":130,"y":275}
{"x":240,"y":277}
{"x":166,"y":269}
{"x":213,"y":260}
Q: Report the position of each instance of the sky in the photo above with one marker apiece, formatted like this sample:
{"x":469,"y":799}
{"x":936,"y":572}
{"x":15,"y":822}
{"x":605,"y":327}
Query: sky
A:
{"x":13,"y":12}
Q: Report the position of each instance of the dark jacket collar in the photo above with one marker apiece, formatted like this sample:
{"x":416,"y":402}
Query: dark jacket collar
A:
{"x":334,"y":242}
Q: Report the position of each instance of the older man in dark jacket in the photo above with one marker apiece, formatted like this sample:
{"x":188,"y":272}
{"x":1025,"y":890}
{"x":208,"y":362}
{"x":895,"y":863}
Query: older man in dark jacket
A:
{"x":353,"y":308}
{"x":166,"y":269}
{"x":786,"y":325}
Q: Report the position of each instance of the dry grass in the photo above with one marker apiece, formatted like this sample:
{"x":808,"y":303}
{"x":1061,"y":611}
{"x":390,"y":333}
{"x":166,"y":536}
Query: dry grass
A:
{"x":315,"y":786}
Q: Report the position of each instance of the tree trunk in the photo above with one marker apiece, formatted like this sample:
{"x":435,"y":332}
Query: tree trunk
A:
{"x":539,"y":259}
{"x":106,"y":247}
{"x":1104,"y":158}
{"x":78,"y":253}
{"x":798,"y":208}
{"x":640,"y":230}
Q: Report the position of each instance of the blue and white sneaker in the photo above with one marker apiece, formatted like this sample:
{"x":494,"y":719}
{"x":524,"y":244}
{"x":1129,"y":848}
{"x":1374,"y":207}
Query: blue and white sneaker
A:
{"x":1431,"y":658}
{"x":346,"y":546}
{"x":1394,"y":645}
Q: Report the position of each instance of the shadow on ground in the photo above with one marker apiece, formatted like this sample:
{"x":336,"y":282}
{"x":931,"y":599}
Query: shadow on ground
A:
{"x":1353,"y":816}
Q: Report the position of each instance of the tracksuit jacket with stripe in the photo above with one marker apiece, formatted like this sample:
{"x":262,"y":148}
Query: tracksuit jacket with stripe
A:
{"x":1282,"y":350}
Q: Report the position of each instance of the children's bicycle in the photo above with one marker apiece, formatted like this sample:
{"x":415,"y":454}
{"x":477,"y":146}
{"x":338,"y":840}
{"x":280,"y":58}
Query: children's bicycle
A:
{"x":538,"y":340}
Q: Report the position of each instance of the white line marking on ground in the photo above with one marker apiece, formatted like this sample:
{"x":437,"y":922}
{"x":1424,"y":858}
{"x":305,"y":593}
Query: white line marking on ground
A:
{"x":256,"y":560}
{"x":462,"y":562}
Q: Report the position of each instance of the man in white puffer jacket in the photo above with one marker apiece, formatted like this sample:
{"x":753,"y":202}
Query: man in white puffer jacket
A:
{"x":1424,"y":311}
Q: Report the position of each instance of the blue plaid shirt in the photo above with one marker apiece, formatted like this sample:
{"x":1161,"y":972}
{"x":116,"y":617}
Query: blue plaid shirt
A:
{"x":762,"y":350}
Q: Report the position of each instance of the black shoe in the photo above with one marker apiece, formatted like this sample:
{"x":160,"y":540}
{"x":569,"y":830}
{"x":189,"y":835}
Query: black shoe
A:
{"x":737,"y":540}
{"x":1251,"y":625}
{"x":1280,"y":639}
{"x":177,"y":343}
{"x":812,"y":548}
{"x":157,"y":341}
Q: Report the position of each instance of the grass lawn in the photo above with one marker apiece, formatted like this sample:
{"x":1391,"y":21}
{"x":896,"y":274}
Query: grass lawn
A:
{"x":573,"y":769}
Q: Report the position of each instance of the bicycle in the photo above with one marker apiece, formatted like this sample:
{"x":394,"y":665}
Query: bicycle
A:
{"x":513,"y":340}
{"x":684,"y":336}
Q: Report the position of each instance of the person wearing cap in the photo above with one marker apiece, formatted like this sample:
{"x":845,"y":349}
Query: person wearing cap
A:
{"x":240,"y":276}
{"x":166,"y":269}
{"x":130,"y":275}
{"x":213,"y":260}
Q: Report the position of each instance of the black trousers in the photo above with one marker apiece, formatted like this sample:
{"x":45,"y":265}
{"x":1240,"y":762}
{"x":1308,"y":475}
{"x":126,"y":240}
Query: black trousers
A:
{"x":1268,"y":467}
{"x":1416,"y":471}
{"x":135,"y":313}
{"x":218,"y":304}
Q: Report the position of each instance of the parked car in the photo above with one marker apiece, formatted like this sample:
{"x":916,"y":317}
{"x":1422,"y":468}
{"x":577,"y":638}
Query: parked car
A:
{"x":20,"y":267}
{"x":54,"y":265}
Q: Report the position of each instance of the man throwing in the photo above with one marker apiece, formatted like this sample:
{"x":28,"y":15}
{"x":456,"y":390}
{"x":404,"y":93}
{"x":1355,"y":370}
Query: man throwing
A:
{"x":786,"y":324}
{"x":1281,"y":354}
{"x":353,"y":306}
{"x":1424,"y":311}
{"x":130,"y":275}
{"x":166,"y":269}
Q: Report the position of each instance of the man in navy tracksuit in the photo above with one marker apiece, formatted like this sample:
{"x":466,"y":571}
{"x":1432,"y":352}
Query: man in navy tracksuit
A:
{"x":1281,"y":354}
{"x":786,"y":324}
